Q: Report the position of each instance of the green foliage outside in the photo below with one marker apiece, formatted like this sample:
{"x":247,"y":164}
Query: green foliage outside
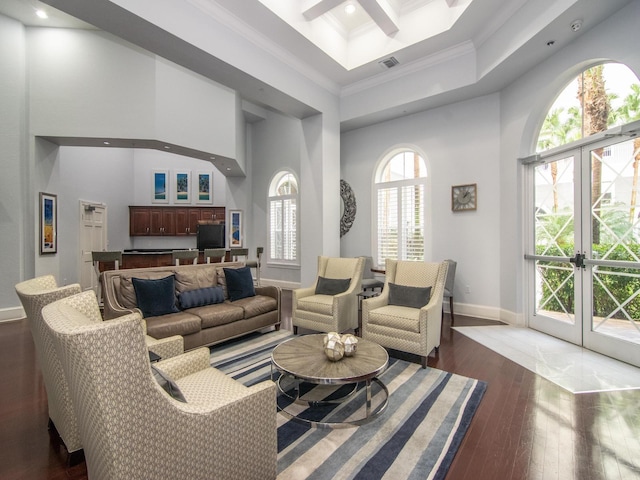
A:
{"x":619,"y":283}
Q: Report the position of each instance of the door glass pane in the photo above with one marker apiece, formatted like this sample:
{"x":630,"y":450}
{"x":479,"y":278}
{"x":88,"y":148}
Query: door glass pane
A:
{"x":554,"y":236}
{"x":615,"y":233}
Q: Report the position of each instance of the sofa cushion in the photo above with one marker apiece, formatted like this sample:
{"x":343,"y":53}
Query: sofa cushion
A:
{"x":394,"y":316}
{"x":218,"y":314}
{"x":257,"y":305}
{"x":332,"y":286}
{"x":155,"y":297}
{"x":200,"y":297}
{"x":403,"y":295}
{"x":192,"y":277}
{"x":181,"y":323}
{"x":239,"y":283}
{"x":322,"y":304}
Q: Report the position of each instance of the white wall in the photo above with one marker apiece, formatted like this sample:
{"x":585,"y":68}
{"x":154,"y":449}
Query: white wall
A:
{"x":90,"y":84}
{"x":461,"y":144}
{"x":13,"y":181}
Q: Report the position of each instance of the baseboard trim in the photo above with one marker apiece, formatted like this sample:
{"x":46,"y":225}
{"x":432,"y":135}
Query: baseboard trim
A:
{"x":487,"y":313}
{"x":11,"y":314}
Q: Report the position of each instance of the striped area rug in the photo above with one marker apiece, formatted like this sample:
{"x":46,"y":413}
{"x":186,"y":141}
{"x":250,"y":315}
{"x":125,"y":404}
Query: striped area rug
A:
{"x":416,"y":437}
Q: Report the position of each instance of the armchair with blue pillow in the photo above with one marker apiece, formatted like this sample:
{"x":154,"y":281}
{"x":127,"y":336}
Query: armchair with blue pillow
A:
{"x":331,"y":303}
{"x":407,"y":315}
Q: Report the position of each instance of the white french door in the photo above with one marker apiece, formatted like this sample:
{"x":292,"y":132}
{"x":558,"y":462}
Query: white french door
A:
{"x":583,"y":257}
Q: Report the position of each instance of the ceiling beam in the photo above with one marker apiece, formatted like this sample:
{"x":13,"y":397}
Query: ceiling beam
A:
{"x":381,"y":15}
{"x":320,"y":8}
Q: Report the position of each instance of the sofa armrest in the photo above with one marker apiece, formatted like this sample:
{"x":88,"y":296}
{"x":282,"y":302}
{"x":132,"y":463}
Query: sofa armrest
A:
{"x":166,"y":347}
{"x":269,"y":291}
{"x":185,"y":364}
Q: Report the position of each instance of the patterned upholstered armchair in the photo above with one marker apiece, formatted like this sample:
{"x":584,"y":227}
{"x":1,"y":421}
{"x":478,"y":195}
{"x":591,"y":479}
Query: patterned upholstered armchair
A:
{"x":133,"y":429}
{"x":318,"y":308}
{"x":400,"y":318}
{"x":35,"y":294}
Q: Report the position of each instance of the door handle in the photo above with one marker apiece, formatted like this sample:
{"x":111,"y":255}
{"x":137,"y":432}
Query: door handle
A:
{"x":578,"y":260}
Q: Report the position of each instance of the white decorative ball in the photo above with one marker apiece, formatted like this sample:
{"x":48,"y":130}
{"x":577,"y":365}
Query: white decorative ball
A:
{"x":350,"y":343}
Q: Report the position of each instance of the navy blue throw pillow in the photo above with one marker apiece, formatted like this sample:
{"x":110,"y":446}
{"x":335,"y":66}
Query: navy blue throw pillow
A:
{"x":201,"y":297}
{"x":155,"y":297}
{"x":239,"y":283}
{"x":332,"y":286}
{"x":405,"y":296}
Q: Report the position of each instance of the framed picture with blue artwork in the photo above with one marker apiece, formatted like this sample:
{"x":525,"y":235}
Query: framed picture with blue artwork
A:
{"x":48,"y":223}
{"x":182,"y":186}
{"x":204,"y":192}
{"x":235,"y":228}
{"x":160,"y":186}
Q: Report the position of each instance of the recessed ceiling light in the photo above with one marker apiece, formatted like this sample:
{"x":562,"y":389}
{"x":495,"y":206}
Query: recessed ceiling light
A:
{"x":41,"y":14}
{"x":349,"y":9}
{"x":106,"y":143}
{"x":228,"y":169}
{"x":167,"y":147}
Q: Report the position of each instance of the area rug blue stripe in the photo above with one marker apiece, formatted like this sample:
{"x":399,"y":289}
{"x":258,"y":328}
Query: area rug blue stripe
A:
{"x":416,"y":437}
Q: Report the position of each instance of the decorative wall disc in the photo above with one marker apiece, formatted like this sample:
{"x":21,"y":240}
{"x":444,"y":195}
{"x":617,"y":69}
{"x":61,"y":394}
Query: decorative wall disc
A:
{"x":348,"y":207}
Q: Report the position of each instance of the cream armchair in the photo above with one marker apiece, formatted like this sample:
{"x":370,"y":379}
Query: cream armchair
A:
{"x":35,"y":294}
{"x":133,"y":429}
{"x":413,"y":329}
{"x":326,"y":312}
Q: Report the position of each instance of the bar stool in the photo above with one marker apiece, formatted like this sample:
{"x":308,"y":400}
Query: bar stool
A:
{"x":256,"y":264}
{"x":178,"y":255}
{"x":213,"y":253}
{"x":113,"y":256}
{"x":239,"y":252}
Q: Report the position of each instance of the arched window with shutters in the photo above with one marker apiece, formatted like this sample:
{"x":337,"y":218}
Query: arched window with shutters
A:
{"x":283,"y":218}
{"x":399,"y":199}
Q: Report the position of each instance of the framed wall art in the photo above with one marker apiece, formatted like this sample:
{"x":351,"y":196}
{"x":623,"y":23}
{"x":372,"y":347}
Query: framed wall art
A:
{"x":235,"y":228}
{"x":203,"y":184}
{"x":160,"y":186}
{"x":182,"y":187}
{"x":48,"y":223}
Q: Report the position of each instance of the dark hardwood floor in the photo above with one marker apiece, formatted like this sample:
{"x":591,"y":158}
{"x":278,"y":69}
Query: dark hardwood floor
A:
{"x":525,"y":428}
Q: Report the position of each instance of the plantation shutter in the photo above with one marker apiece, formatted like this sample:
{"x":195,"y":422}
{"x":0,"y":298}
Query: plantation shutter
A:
{"x":400,"y":223}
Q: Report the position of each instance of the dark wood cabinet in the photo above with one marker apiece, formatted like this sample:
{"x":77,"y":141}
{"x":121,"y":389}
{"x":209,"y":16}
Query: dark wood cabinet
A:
{"x":169,"y":221}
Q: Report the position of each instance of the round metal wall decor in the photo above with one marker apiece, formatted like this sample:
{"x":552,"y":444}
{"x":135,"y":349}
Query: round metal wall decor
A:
{"x":348,"y":207}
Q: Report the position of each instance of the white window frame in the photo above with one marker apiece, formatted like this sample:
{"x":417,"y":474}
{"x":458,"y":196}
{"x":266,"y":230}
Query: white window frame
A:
{"x":399,"y":185}
{"x":275,"y":198}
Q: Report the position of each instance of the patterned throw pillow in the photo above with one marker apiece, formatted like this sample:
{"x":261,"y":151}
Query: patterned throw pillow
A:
{"x":405,"y":296}
{"x":332,"y":286}
{"x":239,"y":283}
{"x":155,"y":297}
{"x":201,"y":297}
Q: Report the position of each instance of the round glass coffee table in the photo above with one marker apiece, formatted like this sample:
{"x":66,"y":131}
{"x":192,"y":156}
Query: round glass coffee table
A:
{"x":302,"y":360}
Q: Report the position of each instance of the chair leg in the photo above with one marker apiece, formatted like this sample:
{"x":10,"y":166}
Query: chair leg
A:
{"x":295,"y":330}
{"x":451,"y":308}
{"x":423,"y":361}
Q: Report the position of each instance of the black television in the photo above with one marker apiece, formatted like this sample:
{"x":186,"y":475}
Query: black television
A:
{"x":210,"y":236}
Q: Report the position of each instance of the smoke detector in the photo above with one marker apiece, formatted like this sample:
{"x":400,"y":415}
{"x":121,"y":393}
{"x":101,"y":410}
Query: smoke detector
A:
{"x":576,"y":25}
{"x":389,"y":62}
